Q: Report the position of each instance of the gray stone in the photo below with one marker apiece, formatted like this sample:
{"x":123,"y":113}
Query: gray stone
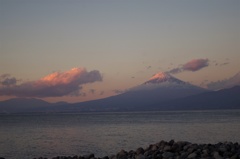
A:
{"x":184,"y":154}
{"x":234,"y":157}
{"x":171,"y":142}
{"x":113,"y":157}
{"x":167,"y":148}
{"x":147,"y":153}
{"x":154,"y":148}
{"x":192,"y":155}
{"x":167,"y":154}
{"x":222,"y":149}
{"x":205,"y":151}
{"x":89,"y":156}
{"x":140,"y":150}
{"x":131,"y":154}
{"x":216,"y":155}
{"x":122,"y":155}
{"x":140,"y":156}
{"x":186,"y":147}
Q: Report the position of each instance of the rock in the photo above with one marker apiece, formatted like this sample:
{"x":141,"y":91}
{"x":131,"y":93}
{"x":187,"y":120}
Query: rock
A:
{"x":216,"y":155}
{"x":167,"y":148}
{"x":222,"y":148}
{"x":140,"y":150}
{"x":161,"y":144}
{"x":140,"y":156}
{"x":131,"y":154}
{"x":234,"y":157}
{"x":75,"y":157}
{"x":175,"y":147}
{"x":184,"y":154}
{"x":185,"y":147}
{"x":171,"y":142}
{"x":122,"y":155}
{"x":192,"y":155}
{"x":113,"y":157}
{"x":156,"y":154}
{"x":173,"y":150}
{"x":154,"y":147}
{"x":167,"y":154}
{"x":147,"y":153}
{"x":89,"y":156}
{"x":205,"y":151}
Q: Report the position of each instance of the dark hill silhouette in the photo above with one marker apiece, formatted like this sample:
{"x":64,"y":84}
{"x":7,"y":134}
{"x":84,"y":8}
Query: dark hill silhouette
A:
{"x":22,"y":105}
{"x":26,"y":105}
{"x":222,"y":99}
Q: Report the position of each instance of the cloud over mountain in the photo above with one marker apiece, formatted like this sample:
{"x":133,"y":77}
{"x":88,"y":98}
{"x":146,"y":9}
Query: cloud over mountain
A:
{"x":53,"y":85}
{"x":193,"y":65}
{"x":227,"y":83}
{"x":6,"y":80}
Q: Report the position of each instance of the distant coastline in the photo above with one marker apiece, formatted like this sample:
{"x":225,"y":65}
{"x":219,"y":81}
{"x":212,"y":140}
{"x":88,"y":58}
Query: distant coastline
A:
{"x":154,"y":100}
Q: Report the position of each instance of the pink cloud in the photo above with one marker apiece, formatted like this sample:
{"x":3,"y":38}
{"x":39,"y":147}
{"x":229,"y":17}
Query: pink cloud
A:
{"x":195,"y":65}
{"x":54,"y":85}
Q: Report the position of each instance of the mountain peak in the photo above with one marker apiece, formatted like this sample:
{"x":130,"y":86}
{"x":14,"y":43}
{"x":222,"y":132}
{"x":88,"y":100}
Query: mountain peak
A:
{"x":161,"y":77}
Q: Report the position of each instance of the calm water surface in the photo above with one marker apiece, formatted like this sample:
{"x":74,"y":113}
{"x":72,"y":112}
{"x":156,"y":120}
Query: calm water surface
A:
{"x":48,"y":135}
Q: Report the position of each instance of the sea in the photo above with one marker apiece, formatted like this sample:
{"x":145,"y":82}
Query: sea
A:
{"x":26,"y":136}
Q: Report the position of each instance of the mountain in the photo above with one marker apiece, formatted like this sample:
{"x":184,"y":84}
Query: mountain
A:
{"x":221,"y":99}
{"x":26,"y":105}
{"x":162,"y":77}
{"x":22,"y":105}
{"x":159,"y":88}
{"x":160,"y":92}
{"x":162,"y":81}
{"x":228,"y":83}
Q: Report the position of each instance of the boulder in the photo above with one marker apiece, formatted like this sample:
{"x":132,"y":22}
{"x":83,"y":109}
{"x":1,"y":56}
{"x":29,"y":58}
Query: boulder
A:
{"x":122,"y":155}
{"x":192,"y":155}
{"x":140,"y":150}
{"x":140,"y":156}
{"x":167,"y":154}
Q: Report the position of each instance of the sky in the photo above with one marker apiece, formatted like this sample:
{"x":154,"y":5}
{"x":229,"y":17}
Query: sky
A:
{"x":80,"y":50}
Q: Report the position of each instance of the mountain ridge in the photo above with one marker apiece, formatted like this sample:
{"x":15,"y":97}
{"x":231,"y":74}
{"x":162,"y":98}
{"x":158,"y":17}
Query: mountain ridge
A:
{"x":161,"y":87}
{"x":166,"y":93}
{"x":19,"y":105}
{"x":227,"y":83}
{"x":228,"y":98}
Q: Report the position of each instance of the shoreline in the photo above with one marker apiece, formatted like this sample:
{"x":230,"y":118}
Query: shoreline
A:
{"x":172,"y":150}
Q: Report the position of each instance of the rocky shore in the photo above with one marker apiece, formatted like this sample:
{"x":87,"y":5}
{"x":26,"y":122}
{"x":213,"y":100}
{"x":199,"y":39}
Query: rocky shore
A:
{"x":173,"y":150}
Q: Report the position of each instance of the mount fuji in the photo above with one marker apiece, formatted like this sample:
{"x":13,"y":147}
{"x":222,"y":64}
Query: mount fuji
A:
{"x":159,"y":88}
{"x":164,"y":81}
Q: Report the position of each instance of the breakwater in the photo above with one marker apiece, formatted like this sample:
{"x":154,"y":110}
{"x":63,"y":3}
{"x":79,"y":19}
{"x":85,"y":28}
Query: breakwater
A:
{"x":172,"y":150}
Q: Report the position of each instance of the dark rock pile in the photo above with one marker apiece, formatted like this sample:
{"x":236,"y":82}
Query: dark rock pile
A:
{"x":174,"y":150}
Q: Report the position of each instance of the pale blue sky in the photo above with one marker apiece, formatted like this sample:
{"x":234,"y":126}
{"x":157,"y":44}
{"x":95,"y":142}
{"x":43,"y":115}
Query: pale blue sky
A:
{"x":121,"y":39}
